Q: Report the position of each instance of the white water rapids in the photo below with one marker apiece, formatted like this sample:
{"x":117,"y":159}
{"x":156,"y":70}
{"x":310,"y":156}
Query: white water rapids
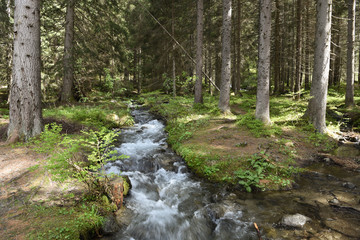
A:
{"x":166,"y":201}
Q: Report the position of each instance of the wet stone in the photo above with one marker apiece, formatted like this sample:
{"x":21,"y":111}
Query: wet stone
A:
{"x":110,"y":225}
{"x":349,"y":185}
{"x":296,"y":220}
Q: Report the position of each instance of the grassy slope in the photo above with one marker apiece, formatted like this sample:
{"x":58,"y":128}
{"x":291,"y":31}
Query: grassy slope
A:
{"x":238,"y":149}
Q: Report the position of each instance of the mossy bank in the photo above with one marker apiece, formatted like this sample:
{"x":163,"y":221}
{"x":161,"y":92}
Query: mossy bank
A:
{"x":237,"y":149}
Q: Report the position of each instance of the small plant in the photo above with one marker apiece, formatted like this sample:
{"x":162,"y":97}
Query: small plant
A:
{"x":320,"y":140}
{"x":210,"y":170}
{"x":66,"y":162}
{"x":261,"y":168}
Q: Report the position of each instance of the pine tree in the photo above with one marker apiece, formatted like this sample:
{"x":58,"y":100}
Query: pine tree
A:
{"x":316,"y":110}
{"x":25,"y":92}
{"x":262,"y":96}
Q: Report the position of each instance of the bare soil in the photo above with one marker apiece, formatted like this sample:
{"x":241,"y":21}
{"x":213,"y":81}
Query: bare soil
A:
{"x":24,"y":181}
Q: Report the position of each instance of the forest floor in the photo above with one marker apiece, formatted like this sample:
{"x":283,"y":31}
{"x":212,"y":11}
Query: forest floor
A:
{"x":237,"y":148}
{"x":223,"y":137}
{"x":24,"y":183}
{"x":218,"y":139}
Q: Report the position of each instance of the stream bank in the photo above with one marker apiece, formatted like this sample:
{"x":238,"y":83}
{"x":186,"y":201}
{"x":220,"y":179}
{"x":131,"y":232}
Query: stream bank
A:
{"x":168,"y":201}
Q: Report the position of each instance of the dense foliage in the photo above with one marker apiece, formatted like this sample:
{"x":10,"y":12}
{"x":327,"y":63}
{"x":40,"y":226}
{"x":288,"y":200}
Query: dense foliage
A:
{"x":119,"y":47}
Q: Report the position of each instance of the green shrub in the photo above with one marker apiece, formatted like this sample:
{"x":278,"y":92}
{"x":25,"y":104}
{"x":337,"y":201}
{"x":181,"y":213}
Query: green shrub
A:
{"x":259,"y":168}
{"x":67,"y":161}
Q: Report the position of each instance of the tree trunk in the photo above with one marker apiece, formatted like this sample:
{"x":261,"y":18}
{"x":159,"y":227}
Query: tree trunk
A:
{"x":217,"y":65}
{"x":338,"y":60}
{"x":263,"y":79}
{"x":233,"y":54}
{"x":126,"y":76}
{"x":139,"y":79}
{"x":317,"y":105}
{"x":350,"y":65}
{"x":277,"y":50}
{"x":173,"y":52}
{"x":238,"y":49}
{"x":210,"y":70}
{"x":135,"y":70}
{"x":298,"y":49}
{"x":224,"y":99}
{"x":25,"y":93}
{"x":199,"y":50}
{"x":292,"y":51}
{"x":307,"y":47}
{"x":9,"y":48}
{"x":68,"y":80}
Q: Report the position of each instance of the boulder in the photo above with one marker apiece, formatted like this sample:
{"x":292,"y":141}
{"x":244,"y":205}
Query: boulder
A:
{"x":110,"y":225}
{"x":296,"y":220}
{"x":119,"y":188}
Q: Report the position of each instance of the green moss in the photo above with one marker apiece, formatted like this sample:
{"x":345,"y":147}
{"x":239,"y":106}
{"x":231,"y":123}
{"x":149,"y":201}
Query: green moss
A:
{"x":77,"y":222}
{"x":126,"y":187}
{"x":110,"y":115}
{"x":256,"y":127}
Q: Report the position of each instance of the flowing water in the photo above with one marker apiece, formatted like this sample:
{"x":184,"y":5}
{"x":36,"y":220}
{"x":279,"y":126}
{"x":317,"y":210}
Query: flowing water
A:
{"x":168,"y":202}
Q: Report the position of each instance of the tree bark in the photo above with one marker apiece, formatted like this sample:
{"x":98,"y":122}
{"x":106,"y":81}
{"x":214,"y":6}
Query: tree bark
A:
{"x":263,"y":79}
{"x":277,"y":50}
{"x":126,"y":76}
{"x":139,"y":80}
{"x":9,"y":47}
{"x":199,"y":51}
{"x":307,"y":47}
{"x":224,"y":99}
{"x":317,"y":105}
{"x":67,"y":94}
{"x":298,"y":49}
{"x":25,"y":93}
{"x":350,"y":65}
{"x":173,"y":50}
{"x":238,"y":50}
{"x":135,"y":70}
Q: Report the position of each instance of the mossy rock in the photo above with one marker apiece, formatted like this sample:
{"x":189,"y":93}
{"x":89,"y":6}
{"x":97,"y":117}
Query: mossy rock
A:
{"x":127,"y":185}
{"x":347,"y":151}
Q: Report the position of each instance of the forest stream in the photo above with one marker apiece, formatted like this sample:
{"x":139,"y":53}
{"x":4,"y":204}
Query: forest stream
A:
{"x":167,"y":201}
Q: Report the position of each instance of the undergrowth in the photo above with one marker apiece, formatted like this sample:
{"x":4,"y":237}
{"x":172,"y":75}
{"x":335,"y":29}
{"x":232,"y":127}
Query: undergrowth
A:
{"x":67,"y":161}
{"x":109,"y":115}
{"x":79,"y":158}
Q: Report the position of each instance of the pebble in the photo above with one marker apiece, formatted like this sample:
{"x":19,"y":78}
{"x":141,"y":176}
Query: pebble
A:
{"x":349,"y":185}
{"x":334,"y":201}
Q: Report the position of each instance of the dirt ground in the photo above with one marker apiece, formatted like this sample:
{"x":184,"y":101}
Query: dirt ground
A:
{"x":22,"y":182}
